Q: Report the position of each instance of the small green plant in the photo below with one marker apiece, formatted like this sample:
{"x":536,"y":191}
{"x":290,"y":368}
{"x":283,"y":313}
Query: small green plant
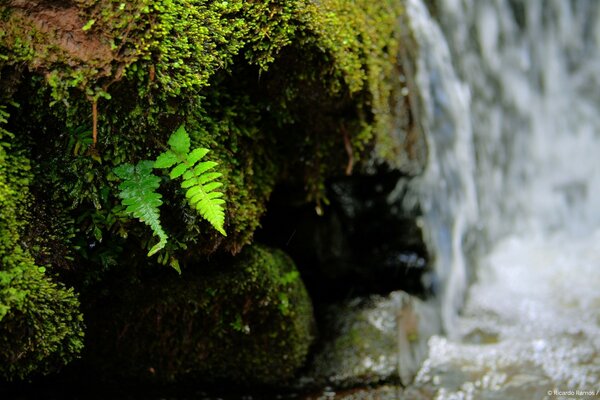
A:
{"x":88,"y":25}
{"x":138,"y":187}
{"x":138,"y":194}
{"x":200,"y":184}
{"x":80,"y":139}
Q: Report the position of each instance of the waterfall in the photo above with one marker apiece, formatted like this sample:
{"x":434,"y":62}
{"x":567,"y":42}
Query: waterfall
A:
{"x":511,"y":108}
{"x":532,"y":68}
{"x":447,"y":190}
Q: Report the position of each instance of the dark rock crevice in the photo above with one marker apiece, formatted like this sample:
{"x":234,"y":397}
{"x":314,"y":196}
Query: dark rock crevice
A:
{"x":366,"y":241}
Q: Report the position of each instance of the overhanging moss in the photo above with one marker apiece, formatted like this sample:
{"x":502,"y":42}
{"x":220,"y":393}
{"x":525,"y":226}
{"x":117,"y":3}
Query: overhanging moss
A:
{"x":278,"y":90}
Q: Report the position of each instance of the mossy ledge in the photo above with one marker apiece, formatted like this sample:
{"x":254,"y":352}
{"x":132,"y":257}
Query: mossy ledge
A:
{"x":279,"y":91}
{"x":276,"y":89}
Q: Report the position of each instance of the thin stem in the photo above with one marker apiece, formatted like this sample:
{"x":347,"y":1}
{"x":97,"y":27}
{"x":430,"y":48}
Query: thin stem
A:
{"x":348,"y":147}
{"x":94,"y":121}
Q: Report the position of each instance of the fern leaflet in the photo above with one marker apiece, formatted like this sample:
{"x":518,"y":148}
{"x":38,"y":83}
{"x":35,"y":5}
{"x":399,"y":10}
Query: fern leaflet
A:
{"x":138,"y":194}
{"x":200,"y":183}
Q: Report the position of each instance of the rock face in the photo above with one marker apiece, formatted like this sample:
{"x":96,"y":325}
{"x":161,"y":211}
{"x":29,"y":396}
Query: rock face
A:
{"x":248,"y":323}
{"x":373,"y":340}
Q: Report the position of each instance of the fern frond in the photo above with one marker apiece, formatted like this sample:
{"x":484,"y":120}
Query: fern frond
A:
{"x":200,"y":184}
{"x":138,"y":194}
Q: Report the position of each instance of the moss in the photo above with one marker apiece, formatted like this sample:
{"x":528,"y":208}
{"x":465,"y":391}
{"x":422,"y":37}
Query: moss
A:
{"x":364,"y":40}
{"x":172,"y":46}
{"x":41,"y":330}
{"x":277,"y":90}
{"x":248,"y":321}
{"x":40,"y":321}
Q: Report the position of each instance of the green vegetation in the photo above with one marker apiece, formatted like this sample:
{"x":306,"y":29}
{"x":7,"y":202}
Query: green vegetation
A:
{"x":139,"y":195}
{"x":199,"y":184}
{"x":138,"y":190}
{"x":275,"y":91}
{"x":41,"y":328}
{"x":40,"y":323}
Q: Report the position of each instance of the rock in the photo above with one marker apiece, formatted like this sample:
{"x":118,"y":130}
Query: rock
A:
{"x":281,"y":92}
{"x":247,"y":322}
{"x":373,"y":340}
{"x":314,"y":113}
{"x":378,"y":393}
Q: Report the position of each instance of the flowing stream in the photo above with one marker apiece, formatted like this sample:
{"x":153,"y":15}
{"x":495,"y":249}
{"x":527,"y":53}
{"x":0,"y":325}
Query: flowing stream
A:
{"x":511,"y":98}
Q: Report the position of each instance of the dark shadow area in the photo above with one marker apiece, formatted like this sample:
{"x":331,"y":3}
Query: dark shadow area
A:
{"x":365,"y":242}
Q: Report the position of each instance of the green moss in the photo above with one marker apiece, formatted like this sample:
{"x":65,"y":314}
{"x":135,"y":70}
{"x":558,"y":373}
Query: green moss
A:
{"x":40,"y":321}
{"x":41,"y":329}
{"x":171,"y":46}
{"x":292,"y":91}
{"x":364,"y":38}
{"x":248,"y":321}
{"x":277,"y":90}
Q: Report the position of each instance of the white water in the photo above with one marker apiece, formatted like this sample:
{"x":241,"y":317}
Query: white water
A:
{"x":448,"y":197}
{"x":511,"y":93}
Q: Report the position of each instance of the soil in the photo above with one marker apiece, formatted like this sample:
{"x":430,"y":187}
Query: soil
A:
{"x":61,"y":25}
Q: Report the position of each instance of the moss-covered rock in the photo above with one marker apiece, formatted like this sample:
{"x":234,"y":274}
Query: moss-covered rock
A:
{"x":277,"y":90}
{"x":40,"y":322}
{"x":374,"y":340}
{"x":42,"y":327}
{"x":249,"y":321}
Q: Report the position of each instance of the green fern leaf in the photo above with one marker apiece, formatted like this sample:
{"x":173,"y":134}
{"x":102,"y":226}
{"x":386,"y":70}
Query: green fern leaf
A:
{"x":211,"y":176}
{"x":201,"y":185}
{"x":204,"y":166}
{"x":180,"y":141}
{"x":197,"y":155}
{"x":138,"y":194}
{"x":165,"y":160}
{"x":209,"y":187}
{"x":178,"y":170}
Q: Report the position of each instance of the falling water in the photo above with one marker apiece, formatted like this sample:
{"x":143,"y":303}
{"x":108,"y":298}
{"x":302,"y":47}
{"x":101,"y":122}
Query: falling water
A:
{"x":448,"y":195}
{"x":511,"y":96}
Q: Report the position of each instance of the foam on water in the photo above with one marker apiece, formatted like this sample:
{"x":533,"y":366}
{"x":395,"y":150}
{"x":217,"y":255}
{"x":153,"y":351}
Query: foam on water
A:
{"x":511,"y":93}
{"x":531,"y":324}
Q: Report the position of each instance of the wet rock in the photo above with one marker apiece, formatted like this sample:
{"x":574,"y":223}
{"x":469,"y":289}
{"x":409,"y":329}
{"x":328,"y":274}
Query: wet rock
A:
{"x":247,"y":322}
{"x":373,"y":340}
